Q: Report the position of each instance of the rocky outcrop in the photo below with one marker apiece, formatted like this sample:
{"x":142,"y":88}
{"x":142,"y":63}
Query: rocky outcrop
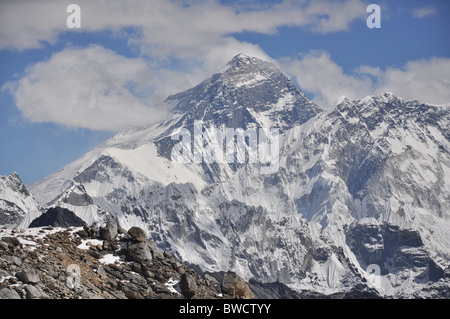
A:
{"x":234,"y":285}
{"x":87,"y":262}
{"x":57,"y":217}
{"x":109,"y":231}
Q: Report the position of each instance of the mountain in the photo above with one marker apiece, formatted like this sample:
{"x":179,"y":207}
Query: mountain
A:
{"x":328,"y":198}
{"x":17,"y":206}
{"x":57,"y":217}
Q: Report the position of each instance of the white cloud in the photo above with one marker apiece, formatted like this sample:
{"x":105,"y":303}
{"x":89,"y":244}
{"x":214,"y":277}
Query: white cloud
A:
{"x":424,"y":12}
{"x":168,"y":27}
{"x":89,"y":87}
{"x":93,"y":87}
{"x":426,"y":80}
{"x":316,"y":73}
{"x":98,"y":89}
{"x":332,"y":16}
{"x":25,"y":24}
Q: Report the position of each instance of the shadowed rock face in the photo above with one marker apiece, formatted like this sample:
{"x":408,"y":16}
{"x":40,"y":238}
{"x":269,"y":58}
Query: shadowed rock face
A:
{"x":237,"y":96}
{"x":57,"y":217}
{"x":78,"y":199}
{"x":393,"y":249}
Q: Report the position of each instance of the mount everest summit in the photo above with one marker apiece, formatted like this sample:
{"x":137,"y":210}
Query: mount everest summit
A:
{"x":362,"y":186}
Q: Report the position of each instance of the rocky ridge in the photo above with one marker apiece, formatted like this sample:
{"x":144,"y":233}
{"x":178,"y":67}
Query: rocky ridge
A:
{"x":99,"y":263}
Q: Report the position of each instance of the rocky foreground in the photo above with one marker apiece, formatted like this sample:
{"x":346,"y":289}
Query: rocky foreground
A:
{"x":106,"y":263}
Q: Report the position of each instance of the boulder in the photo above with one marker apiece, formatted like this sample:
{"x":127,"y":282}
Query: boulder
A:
{"x":34,"y":292}
{"x":3,"y":245}
{"x":4,"y":273}
{"x":28,"y":276}
{"x":139,"y":252}
{"x":12,"y":241}
{"x":13,"y":260}
{"x":109,"y":231}
{"x":6,"y":293}
{"x":188,"y":286}
{"x":131,"y":292}
{"x":136,"y":234}
{"x":234,"y":285}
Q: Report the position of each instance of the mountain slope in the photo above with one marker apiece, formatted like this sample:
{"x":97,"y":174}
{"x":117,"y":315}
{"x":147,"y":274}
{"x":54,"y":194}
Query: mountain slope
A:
{"x":350,"y":183}
{"x":18,"y":208}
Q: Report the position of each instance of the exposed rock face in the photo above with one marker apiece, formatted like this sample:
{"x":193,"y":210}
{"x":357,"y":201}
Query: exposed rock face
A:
{"x":188,"y":285}
{"x":68,"y":263}
{"x":28,"y":276}
{"x":57,"y":217}
{"x":394,"y":249}
{"x":109,"y":231}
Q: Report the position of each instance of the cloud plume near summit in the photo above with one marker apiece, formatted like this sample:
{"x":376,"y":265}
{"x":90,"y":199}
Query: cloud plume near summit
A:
{"x":96,"y":88}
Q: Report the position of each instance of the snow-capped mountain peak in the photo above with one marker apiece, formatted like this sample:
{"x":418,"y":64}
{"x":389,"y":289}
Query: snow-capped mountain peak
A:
{"x":17,"y":206}
{"x":351,"y":180}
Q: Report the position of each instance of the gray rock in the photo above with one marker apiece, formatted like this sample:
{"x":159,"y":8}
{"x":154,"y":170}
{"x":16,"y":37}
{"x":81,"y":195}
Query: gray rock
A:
{"x":151,"y":244}
{"x":139,"y":252}
{"x":14,"y":260}
{"x":136,"y":234}
{"x":158,"y":255}
{"x":12,"y":240}
{"x":34,"y":292}
{"x":130,"y":291}
{"x":211,"y":280}
{"x":188,"y":286}
{"x":234,"y":285}
{"x":6,"y":293}
{"x":92,"y":232}
{"x":3,"y":245}
{"x":168,"y":254}
{"x":4,"y":273}
{"x":101,"y":271}
{"x":28,"y":276}
{"x":109,"y":231}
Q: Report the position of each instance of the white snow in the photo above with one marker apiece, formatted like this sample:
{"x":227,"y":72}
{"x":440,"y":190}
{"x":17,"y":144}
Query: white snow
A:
{"x":250,"y":81}
{"x":170,"y":284}
{"x":109,"y":259}
{"x":87,"y":243}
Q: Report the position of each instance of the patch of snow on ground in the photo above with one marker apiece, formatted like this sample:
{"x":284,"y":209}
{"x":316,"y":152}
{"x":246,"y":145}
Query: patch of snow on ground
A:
{"x":170,"y":284}
{"x":86,"y":243}
{"x":109,"y":259}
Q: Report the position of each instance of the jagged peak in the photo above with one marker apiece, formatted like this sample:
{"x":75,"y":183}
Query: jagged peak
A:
{"x":244,"y":62}
{"x":243,"y":58}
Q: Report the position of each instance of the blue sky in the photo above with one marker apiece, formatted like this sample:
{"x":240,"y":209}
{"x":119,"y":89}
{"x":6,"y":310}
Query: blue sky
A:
{"x":64,"y":91}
